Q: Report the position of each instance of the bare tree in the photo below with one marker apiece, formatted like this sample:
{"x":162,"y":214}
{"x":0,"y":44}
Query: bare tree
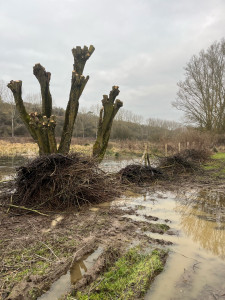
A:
{"x":201,"y":95}
{"x":170,"y":125}
{"x":35,"y":101}
{"x":2,"y":90}
{"x":7,"y":97}
{"x":14,"y":114}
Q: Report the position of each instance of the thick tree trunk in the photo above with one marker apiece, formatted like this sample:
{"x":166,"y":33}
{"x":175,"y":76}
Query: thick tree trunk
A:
{"x":78,"y":84}
{"x":107,"y":114}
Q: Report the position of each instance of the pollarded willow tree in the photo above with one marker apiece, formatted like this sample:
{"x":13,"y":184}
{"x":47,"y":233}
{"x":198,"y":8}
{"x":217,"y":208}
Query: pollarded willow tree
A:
{"x":41,"y":126}
{"x":110,"y":107}
{"x":201,"y":95}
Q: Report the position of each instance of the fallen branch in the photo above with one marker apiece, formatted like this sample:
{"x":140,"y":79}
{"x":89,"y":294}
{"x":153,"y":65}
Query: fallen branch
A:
{"x":29,"y":209}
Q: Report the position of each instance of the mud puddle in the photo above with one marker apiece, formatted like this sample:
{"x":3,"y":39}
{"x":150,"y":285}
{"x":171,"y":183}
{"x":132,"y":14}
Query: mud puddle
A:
{"x":196,"y":265}
{"x":74,"y":274}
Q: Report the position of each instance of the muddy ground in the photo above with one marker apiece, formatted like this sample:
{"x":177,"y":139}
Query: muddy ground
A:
{"x":28,"y":240}
{"x":36,"y":250}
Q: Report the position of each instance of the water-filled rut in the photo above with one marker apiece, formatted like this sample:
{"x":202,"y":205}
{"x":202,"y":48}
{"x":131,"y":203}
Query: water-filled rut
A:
{"x":195,"y":268}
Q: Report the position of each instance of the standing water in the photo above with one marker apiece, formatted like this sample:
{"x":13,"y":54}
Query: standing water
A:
{"x":196,"y":265}
{"x":195,"y":268}
{"x":8,"y":166}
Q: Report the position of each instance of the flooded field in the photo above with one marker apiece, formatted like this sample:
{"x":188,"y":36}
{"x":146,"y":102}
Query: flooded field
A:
{"x":8,"y":166}
{"x":195,"y":268}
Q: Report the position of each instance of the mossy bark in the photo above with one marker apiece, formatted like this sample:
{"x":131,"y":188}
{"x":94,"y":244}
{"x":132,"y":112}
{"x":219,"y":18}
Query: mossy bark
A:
{"x":40,"y":126}
{"x":107,"y":114}
{"x":16,"y":88}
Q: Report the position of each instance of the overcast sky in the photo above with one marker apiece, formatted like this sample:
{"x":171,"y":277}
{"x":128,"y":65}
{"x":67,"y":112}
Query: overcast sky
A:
{"x":140,"y":45}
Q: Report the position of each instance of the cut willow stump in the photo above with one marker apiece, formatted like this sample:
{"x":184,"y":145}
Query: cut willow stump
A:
{"x":42,"y":126}
{"x":107,"y":114}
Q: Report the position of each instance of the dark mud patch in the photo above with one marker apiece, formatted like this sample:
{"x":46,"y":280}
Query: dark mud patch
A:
{"x":147,"y":226}
{"x":151,"y":218}
{"x":34,"y":285}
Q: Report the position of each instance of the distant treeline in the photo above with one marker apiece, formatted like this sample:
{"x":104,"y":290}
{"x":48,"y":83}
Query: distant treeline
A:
{"x":126,"y":125}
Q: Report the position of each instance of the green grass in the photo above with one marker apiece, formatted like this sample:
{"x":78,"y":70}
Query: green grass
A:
{"x":164,"y":227}
{"x":219,"y":155}
{"x":156,"y":227}
{"x":210,"y":167}
{"x":216,"y":166}
{"x":129,"y":278}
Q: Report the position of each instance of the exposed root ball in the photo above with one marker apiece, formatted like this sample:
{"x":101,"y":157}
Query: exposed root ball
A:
{"x":139,"y":174}
{"x":58,"y":181}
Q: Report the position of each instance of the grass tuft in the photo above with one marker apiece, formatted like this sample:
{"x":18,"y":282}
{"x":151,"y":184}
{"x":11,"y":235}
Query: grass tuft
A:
{"x":129,"y":278}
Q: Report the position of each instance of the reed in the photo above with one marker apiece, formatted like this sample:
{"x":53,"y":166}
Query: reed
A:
{"x":17,"y":149}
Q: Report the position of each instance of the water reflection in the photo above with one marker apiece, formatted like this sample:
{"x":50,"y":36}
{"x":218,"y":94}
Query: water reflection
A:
{"x":203,"y":219}
{"x":200,"y":217}
{"x":77,"y":270}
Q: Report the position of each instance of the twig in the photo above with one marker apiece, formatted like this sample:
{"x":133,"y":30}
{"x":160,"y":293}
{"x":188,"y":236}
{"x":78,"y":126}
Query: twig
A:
{"x":11,"y":200}
{"x":76,"y":254}
{"x":194,"y":266}
{"x":50,"y":250}
{"x":186,"y":256}
{"x":43,"y":257}
{"x":22,"y":207}
{"x":94,"y":287}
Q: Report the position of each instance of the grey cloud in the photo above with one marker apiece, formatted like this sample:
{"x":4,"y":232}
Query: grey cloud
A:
{"x":142,"y":46}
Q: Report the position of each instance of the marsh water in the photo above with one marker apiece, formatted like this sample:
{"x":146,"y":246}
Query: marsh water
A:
{"x":195,"y":268}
